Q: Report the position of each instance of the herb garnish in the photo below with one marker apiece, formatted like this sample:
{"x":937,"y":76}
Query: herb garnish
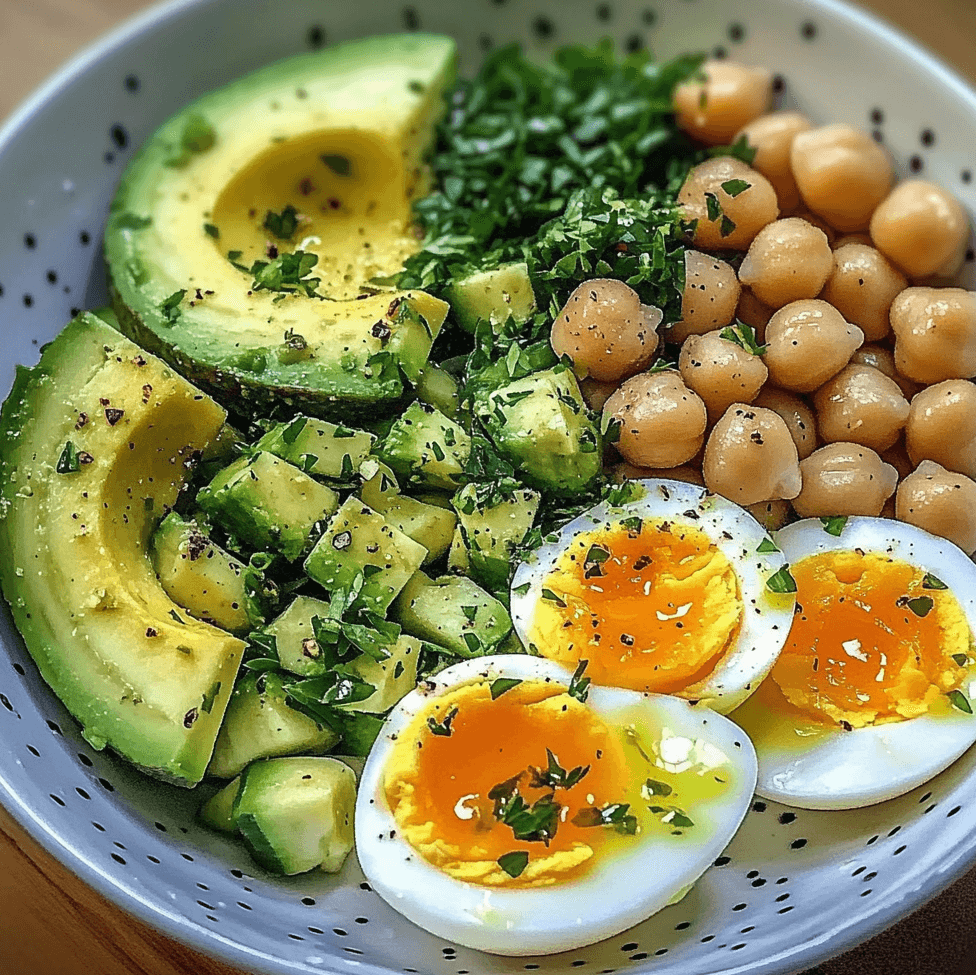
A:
{"x":615,"y":815}
{"x":930,"y":581}
{"x":442,"y":728}
{"x":781,"y":581}
{"x":282,"y":225}
{"x":960,"y":701}
{"x":834,"y":525}
{"x":514,"y":863}
{"x":744,"y":336}
{"x":501,"y":685}
{"x":579,"y":686}
{"x":554,"y":776}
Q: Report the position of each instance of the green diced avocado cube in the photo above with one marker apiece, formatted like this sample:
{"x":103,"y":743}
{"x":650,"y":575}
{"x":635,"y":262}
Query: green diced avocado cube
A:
{"x":426,"y":448}
{"x":259,"y":723}
{"x":492,"y":296}
{"x":430,"y":524}
{"x":296,"y":814}
{"x":218,"y":811}
{"x":541,"y":424}
{"x":294,"y":638}
{"x":199,"y":575}
{"x":392,"y":678}
{"x":454,"y":613}
{"x":360,"y":540}
{"x":319,"y":447}
{"x":268,"y":503}
{"x":491,"y":523}
{"x":436,"y":387}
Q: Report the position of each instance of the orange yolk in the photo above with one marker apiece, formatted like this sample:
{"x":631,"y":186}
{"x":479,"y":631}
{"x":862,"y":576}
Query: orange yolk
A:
{"x":652,"y":605}
{"x":873,"y":640}
{"x":449,"y":792}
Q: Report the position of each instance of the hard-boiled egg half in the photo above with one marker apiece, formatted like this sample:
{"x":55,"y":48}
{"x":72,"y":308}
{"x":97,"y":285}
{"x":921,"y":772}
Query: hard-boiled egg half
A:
{"x":872,"y":693}
{"x":674,"y":591}
{"x":515,"y":809}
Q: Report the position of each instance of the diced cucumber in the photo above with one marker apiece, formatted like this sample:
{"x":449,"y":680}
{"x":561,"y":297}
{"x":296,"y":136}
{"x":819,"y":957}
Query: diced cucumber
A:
{"x":452,"y":612}
{"x":296,"y":814}
{"x":432,"y":525}
{"x":319,"y":447}
{"x":259,"y":723}
{"x":199,"y":575}
{"x":425,"y":448}
{"x":218,"y":811}
{"x":268,"y":503}
{"x":359,"y":540}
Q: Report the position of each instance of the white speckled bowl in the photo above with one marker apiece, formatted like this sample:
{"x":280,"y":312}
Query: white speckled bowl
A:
{"x":794,"y":887}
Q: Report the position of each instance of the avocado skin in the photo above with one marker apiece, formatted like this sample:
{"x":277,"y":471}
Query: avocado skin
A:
{"x":85,"y":616}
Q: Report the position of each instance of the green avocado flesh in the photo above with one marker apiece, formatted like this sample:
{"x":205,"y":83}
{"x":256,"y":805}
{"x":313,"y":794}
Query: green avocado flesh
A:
{"x":95,"y":444}
{"x":321,"y":154}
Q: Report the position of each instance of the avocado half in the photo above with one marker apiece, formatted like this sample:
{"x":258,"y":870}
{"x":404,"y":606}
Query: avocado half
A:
{"x":246,"y":231}
{"x":95,"y":445}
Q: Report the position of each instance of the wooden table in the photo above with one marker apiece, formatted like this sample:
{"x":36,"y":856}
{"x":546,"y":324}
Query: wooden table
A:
{"x":53,"y":924}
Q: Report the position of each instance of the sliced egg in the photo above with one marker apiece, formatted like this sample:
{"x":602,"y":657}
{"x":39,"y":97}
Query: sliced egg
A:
{"x":672,"y":592}
{"x":515,"y":809}
{"x":872,"y":693}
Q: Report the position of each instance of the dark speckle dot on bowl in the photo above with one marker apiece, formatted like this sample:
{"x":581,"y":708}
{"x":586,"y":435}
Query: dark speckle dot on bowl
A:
{"x":877,"y":116}
{"x":916,"y":164}
{"x":736,"y":32}
{"x":808,"y":30}
{"x":315,"y":36}
{"x":132,"y":83}
{"x":927,"y":137}
{"x":119,"y":135}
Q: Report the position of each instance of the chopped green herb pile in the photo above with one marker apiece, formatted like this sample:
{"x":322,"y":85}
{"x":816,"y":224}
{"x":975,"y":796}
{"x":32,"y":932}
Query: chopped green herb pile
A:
{"x":571,"y":166}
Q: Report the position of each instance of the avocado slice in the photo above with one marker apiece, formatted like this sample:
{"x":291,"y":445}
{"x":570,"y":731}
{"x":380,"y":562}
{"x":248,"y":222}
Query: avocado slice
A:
{"x":308,"y":167}
{"x":95,"y":445}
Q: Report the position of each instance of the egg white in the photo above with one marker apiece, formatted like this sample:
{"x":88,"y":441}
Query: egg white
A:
{"x":825,"y":767}
{"x":736,"y":533}
{"x":614,"y":894}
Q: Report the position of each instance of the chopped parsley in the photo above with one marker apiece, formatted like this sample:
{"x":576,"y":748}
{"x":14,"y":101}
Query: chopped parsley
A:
{"x":442,"y":728}
{"x":514,"y":863}
{"x":781,"y":581}
{"x":501,"y":686}
{"x":282,"y":225}
{"x":834,"y":525}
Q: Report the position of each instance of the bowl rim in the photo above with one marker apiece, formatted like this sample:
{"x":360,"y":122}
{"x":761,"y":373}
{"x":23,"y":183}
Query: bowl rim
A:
{"x":885,"y":910}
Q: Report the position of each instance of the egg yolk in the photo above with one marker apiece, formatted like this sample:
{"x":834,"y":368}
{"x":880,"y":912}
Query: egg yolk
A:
{"x":873,"y":640}
{"x":651,"y":605}
{"x":519,"y":790}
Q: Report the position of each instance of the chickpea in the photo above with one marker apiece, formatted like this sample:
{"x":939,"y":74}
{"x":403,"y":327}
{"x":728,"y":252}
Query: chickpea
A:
{"x":842,"y":174}
{"x":606,"y":331}
{"x":883,"y":360}
{"x":662,"y":422}
{"x":818,"y":222}
{"x":787,"y":260}
{"x":772,"y":135}
{"x":862,"y":286}
{"x":839,"y":242}
{"x":750,"y":457}
{"x":596,"y":393}
{"x":922,"y":228}
{"x":709,"y":299}
{"x":861,"y":405}
{"x":753,"y":313}
{"x":898,"y":457}
{"x":935,"y":333}
{"x":940,"y":502}
{"x":942,"y":426}
{"x":727,"y":220}
{"x":731,"y":96}
{"x":796,"y":414}
{"x":844,"y":479}
{"x":720,"y":372}
{"x":772,"y":515}
{"x":628,"y":472}
{"x":808,"y":342}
